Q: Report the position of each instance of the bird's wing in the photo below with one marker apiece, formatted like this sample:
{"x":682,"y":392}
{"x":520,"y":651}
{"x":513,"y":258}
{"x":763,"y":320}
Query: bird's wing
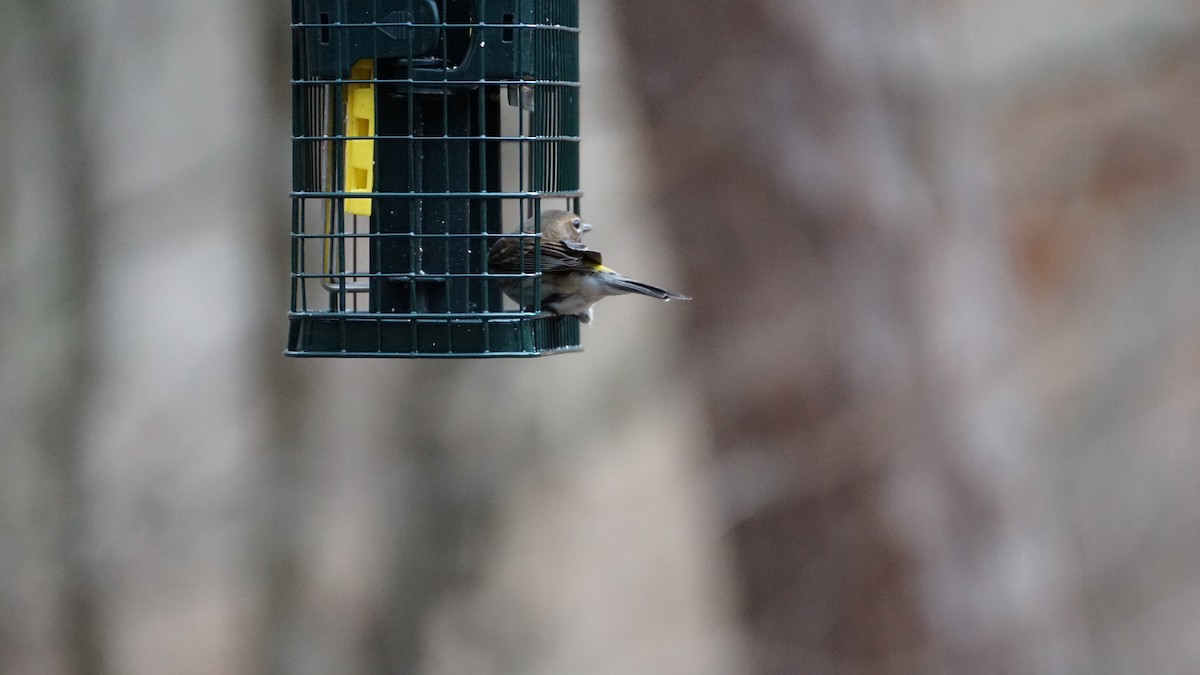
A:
{"x":510,"y":256}
{"x":567,"y":255}
{"x":505,"y":257}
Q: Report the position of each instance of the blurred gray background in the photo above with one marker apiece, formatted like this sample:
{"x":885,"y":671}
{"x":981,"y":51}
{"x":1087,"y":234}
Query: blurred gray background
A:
{"x":934,"y":409}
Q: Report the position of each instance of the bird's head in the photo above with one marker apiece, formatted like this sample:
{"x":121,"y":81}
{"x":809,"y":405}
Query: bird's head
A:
{"x":559,"y":226}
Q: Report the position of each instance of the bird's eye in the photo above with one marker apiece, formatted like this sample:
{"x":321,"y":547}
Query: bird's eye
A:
{"x":576,"y":223}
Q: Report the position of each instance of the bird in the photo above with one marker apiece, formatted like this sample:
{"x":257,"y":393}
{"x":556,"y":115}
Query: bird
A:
{"x":574,"y":277}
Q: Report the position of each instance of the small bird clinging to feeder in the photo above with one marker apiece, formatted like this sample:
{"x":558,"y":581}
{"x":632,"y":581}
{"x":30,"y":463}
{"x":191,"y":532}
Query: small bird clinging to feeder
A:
{"x":574,"y":277}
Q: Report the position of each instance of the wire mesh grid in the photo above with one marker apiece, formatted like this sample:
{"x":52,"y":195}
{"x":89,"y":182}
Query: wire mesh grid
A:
{"x":423,"y":131}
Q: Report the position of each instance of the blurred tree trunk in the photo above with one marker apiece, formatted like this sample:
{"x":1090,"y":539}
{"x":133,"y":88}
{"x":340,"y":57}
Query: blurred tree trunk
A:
{"x":176,"y":497}
{"x":900,"y":255}
{"x":47,"y":622}
{"x":853,"y":334}
{"x":134,"y":490}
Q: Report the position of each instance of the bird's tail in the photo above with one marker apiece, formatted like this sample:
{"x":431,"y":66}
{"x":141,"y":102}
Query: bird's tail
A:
{"x":623,"y":284}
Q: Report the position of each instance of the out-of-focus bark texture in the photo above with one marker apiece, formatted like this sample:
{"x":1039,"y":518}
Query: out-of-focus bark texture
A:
{"x":944,"y":344}
{"x":47,"y":623}
{"x":177,"y":497}
{"x":943,"y":260}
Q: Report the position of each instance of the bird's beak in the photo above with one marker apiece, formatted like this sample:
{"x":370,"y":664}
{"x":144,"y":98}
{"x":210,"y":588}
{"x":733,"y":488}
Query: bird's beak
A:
{"x":584,"y":227}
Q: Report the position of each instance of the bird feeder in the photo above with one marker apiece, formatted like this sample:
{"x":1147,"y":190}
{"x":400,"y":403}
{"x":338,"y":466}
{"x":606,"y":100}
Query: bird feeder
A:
{"x":422,"y":131}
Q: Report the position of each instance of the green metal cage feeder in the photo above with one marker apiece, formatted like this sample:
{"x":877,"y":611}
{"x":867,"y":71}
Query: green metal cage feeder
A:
{"x":421,"y":129}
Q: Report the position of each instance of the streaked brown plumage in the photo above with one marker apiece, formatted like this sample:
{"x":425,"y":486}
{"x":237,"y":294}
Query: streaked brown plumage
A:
{"x":574,"y":277}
